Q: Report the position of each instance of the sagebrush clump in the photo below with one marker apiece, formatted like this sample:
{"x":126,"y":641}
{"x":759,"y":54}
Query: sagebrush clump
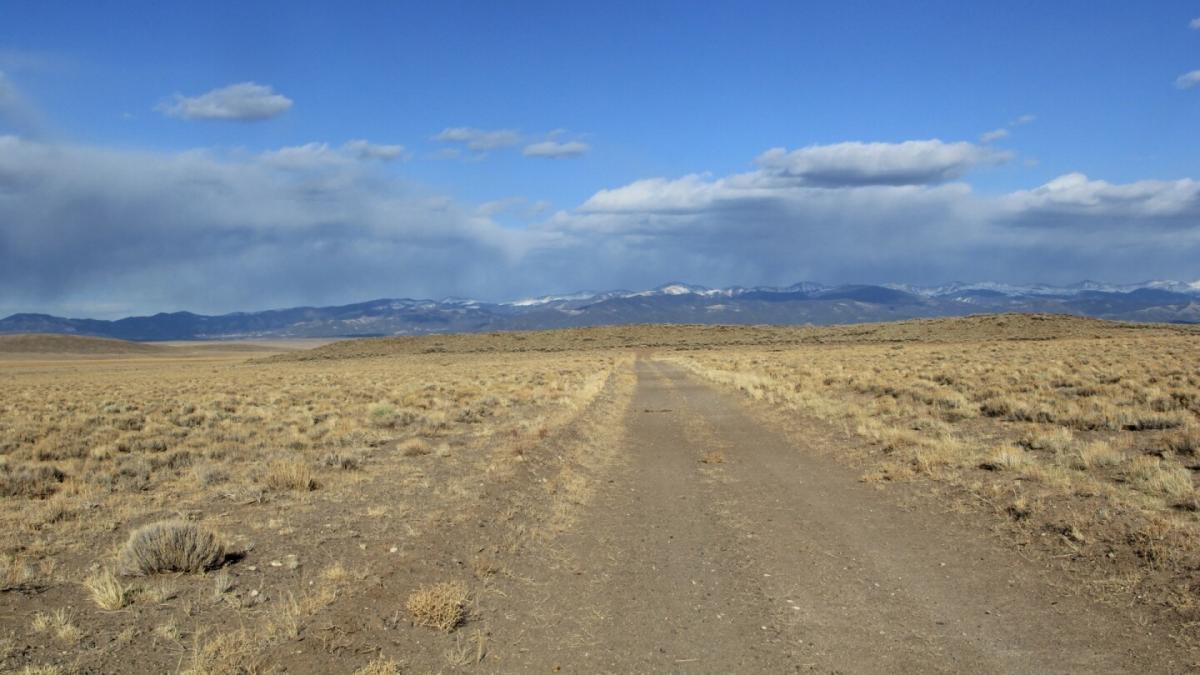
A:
{"x":170,"y":546}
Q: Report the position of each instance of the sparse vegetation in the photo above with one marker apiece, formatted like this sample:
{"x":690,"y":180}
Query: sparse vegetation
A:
{"x":320,"y":469}
{"x":266,"y":454}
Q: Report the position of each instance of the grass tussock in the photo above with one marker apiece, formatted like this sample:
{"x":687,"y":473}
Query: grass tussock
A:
{"x":442,"y":606}
{"x":290,"y":475}
{"x":106,"y":590}
{"x":233,"y":653}
{"x":1005,"y":458}
{"x":170,"y":546}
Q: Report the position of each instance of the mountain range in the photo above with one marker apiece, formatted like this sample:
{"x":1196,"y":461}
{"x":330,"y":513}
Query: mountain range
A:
{"x":801,"y":303}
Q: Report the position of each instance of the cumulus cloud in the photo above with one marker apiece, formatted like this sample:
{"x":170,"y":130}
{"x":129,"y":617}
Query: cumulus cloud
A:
{"x":1150,"y":202}
{"x":479,"y":140}
{"x":1188,"y":80}
{"x":552,"y":149}
{"x":855,"y":163}
{"x":244,"y":101}
{"x":756,"y":228}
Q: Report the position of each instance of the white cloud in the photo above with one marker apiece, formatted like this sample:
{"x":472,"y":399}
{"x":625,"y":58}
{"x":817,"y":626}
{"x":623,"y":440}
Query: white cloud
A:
{"x":755,"y":228}
{"x":312,"y":156}
{"x":1188,"y":80}
{"x":856,"y":163}
{"x":1074,"y":193}
{"x":993,"y":135}
{"x":479,"y":140}
{"x":367,"y":150}
{"x":1195,"y":23}
{"x":556,"y":150}
{"x":1023,"y":119}
{"x":245,"y":101}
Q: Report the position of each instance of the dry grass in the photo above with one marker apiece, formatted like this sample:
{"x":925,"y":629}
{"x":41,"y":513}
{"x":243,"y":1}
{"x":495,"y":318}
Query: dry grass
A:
{"x":91,"y":447}
{"x":170,"y":546}
{"x":290,"y":475}
{"x":107,"y":590}
{"x":442,"y":606}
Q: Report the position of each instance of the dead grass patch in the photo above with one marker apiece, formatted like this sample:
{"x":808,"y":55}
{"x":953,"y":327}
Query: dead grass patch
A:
{"x":441,"y":606}
{"x":290,"y":475}
{"x":106,"y":590}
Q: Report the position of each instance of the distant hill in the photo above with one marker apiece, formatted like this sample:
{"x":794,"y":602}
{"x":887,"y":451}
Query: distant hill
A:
{"x":41,"y":343}
{"x":680,"y":337}
{"x":676,"y":303}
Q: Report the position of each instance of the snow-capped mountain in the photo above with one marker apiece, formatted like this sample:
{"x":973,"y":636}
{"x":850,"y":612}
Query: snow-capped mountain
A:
{"x":676,"y":302}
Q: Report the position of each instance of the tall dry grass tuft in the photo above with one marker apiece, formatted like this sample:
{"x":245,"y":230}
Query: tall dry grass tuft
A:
{"x":107,"y":590}
{"x":290,"y":475}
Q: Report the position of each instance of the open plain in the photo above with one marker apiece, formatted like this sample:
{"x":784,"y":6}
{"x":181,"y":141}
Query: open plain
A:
{"x":1010,"y":493}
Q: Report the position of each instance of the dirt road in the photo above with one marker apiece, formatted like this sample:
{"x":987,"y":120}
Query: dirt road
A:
{"x":721,"y":545}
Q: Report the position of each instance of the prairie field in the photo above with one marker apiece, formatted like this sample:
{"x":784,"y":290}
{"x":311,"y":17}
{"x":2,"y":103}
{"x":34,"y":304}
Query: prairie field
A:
{"x":509,"y":501}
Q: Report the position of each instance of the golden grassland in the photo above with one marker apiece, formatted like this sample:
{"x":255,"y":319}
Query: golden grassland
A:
{"x":1090,"y":447}
{"x":199,"y":506}
{"x":126,"y":485}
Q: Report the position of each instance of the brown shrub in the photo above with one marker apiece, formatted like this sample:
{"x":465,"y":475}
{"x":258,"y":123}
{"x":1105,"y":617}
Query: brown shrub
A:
{"x":440,"y":606}
{"x":37,"y":482}
{"x":170,"y":546}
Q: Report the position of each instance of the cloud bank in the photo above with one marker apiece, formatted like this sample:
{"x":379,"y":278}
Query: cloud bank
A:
{"x":245,"y":102}
{"x":87,"y":227}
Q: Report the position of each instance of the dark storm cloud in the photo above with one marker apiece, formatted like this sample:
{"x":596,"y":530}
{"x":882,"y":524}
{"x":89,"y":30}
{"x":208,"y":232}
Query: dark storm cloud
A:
{"x":202,"y":231}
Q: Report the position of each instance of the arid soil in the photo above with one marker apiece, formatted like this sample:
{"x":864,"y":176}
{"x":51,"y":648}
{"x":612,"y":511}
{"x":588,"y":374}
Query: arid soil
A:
{"x":716,"y":544}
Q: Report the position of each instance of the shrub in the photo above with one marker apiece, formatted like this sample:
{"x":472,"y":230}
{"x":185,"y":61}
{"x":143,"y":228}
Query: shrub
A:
{"x":29,"y":481}
{"x":170,"y":546}
{"x":1185,"y":441}
{"x":440,"y":606}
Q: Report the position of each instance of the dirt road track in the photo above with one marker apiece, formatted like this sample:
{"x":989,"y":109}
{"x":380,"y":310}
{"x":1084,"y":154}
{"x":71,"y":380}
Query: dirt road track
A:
{"x":772,"y":558}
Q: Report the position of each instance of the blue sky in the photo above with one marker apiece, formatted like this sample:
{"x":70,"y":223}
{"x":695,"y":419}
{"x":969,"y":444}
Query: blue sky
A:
{"x":661,"y":114}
